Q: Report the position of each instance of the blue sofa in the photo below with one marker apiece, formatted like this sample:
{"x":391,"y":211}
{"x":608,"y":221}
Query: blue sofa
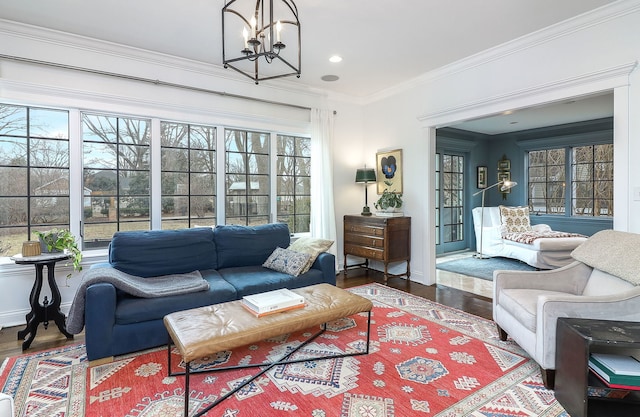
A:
{"x":229,"y":257}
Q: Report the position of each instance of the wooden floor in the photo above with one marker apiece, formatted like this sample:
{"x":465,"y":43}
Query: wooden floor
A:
{"x":471,"y":303}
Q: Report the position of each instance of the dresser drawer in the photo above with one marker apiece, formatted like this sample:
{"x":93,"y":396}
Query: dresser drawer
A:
{"x":364,"y":252}
{"x":364,"y":229}
{"x":365,"y":240}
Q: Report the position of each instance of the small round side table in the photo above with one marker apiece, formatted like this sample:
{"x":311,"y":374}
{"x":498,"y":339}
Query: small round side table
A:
{"x":49,"y":309}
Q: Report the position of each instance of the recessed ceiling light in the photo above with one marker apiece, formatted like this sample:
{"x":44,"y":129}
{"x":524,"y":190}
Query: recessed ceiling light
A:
{"x":335,"y":58}
{"x":330,"y":78}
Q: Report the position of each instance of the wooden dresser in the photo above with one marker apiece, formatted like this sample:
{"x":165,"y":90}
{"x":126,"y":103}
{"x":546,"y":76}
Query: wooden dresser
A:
{"x":385,"y":239}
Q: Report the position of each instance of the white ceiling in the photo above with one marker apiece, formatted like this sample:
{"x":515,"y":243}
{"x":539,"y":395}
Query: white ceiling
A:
{"x":383,"y":42}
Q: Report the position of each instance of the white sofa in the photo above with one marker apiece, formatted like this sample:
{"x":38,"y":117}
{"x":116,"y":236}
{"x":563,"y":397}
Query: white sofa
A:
{"x":543,"y":253}
{"x":602,"y":283}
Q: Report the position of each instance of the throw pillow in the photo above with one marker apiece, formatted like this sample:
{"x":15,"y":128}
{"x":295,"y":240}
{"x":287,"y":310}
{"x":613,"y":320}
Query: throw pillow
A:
{"x":287,"y":261}
{"x":515,"y":219}
{"x":311,"y":245}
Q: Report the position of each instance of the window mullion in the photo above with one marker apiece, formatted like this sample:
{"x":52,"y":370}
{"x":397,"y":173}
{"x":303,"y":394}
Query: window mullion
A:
{"x":76,"y":188}
{"x":156,"y":176}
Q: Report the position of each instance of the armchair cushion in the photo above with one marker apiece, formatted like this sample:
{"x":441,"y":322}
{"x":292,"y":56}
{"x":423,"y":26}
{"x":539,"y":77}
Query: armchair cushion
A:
{"x":523,"y":304}
{"x":601,"y":283}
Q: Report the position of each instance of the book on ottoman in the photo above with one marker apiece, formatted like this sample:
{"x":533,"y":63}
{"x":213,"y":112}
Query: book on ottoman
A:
{"x":272,"y":302}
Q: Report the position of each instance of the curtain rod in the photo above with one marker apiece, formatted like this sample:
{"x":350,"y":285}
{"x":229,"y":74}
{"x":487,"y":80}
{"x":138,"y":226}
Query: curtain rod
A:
{"x":149,"y":81}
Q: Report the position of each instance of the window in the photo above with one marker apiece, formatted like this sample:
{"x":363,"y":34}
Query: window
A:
{"x":188,"y":175}
{"x":267,"y":176}
{"x":115,"y":176}
{"x":294,"y":182}
{"x":592,"y":182}
{"x":589,"y":170}
{"x":34,"y":167}
{"x":547,"y":181}
{"x":247,"y":177}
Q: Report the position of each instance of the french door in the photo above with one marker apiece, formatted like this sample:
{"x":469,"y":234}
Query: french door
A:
{"x":450,"y":180}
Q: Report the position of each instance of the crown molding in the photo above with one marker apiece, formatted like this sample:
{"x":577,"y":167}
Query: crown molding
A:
{"x":608,"y":78}
{"x":559,"y":30}
{"x":149,"y":59}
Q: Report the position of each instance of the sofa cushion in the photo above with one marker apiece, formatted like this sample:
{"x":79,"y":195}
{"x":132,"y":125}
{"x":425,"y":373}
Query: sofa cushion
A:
{"x":312,"y":246}
{"x":150,"y":253}
{"x":287,"y":261}
{"x":249,"y":280}
{"x":248,"y":245}
{"x":515,"y":219}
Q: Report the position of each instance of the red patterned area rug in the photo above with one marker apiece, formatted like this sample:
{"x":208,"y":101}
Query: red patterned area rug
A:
{"x":425,"y":359}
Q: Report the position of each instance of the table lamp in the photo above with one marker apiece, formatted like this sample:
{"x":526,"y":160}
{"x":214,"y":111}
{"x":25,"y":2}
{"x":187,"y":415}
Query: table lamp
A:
{"x":365,"y":175}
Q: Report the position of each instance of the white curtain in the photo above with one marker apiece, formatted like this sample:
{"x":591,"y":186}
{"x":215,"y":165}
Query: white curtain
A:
{"x":323,"y":219}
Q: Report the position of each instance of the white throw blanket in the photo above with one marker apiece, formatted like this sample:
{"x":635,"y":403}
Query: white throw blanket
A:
{"x":151,"y":287}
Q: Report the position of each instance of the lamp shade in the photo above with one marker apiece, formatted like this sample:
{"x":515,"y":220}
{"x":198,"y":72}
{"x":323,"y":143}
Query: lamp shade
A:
{"x":365,"y":175}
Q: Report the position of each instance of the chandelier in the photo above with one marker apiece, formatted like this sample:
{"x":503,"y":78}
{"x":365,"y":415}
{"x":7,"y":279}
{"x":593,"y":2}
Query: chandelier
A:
{"x":256,"y":32}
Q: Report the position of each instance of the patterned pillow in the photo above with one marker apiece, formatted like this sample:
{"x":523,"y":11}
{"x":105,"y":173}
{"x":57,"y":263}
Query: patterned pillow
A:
{"x":287,"y":261}
{"x":515,"y":219}
{"x":311,"y":245}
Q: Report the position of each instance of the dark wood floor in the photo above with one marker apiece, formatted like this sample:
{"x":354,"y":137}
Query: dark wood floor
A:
{"x":471,"y":303}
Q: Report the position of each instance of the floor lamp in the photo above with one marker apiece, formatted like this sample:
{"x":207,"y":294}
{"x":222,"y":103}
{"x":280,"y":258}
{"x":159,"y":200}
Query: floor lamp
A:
{"x":505,"y":185}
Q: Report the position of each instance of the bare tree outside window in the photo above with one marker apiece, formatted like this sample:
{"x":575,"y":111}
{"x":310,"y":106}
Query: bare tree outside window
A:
{"x":592,"y":184}
{"x":116,"y":176}
{"x":591,"y":179}
{"x":247,"y":177}
{"x":294,"y":182}
{"x":547,"y":181}
{"x":188,"y":165}
{"x":34,"y":166}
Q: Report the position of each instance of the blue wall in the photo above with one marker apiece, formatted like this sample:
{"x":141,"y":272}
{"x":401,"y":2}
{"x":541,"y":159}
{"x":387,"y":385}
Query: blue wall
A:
{"x":487,"y":150}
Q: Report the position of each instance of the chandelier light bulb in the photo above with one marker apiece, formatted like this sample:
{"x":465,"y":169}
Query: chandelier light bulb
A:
{"x":245,"y":35}
{"x":278,"y":29}
{"x":253,"y":23}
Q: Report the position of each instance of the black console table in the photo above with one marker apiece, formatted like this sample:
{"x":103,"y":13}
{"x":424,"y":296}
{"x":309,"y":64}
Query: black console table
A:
{"x":580,"y":392}
{"x":49,"y":309}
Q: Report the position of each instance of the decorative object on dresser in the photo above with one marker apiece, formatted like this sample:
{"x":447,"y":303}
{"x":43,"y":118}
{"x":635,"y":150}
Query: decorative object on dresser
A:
{"x":389,"y":171}
{"x":366,"y":175}
{"x":378,"y":238}
{"x":389,"y":203}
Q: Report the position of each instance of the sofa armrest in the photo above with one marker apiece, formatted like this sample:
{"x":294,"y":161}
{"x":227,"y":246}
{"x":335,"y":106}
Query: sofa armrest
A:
{"x":569,"y":279}
{"x":99,"y":319}
{"x":326,"y":262}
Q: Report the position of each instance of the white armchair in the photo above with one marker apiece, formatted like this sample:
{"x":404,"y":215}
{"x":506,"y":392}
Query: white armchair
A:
{"x":602,"y":283}
{"x":6,"y":405}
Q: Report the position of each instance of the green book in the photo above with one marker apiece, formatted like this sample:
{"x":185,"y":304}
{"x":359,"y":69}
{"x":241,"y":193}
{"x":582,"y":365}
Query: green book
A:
{"x":611,"y":377}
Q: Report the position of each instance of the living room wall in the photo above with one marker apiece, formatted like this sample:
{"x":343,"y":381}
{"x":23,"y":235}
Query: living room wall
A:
{"x":592,"y":53}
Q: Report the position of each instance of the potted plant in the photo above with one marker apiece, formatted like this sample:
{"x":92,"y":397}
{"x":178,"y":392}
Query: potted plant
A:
{"x":61,"y":240}
{"x":389,"y":200}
